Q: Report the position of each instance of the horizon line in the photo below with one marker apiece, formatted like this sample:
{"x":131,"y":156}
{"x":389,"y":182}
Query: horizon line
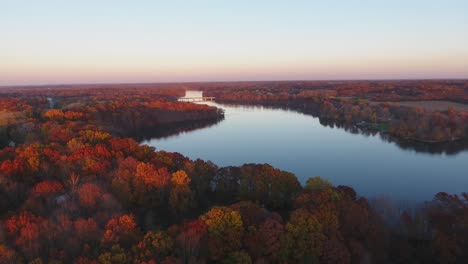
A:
{"x":233,"y":81}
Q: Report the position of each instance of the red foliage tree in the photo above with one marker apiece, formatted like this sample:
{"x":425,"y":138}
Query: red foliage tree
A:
{"x":89,"y":194}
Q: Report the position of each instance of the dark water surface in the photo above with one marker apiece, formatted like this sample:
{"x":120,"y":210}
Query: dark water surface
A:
{"x":300,"y":144}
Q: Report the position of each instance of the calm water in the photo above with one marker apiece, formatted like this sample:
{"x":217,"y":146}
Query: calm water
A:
{"x":300,"y":144}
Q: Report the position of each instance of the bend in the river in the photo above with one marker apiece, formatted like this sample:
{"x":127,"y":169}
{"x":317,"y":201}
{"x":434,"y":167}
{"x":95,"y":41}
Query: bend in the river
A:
{"x":299,"y":143}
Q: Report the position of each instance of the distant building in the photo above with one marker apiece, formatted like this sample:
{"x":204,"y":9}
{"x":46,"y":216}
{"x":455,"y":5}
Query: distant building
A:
{"x":193,"y":94}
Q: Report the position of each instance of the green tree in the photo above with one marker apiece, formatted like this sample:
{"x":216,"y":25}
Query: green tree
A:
{"x":224,"y":231}
{"x":154,"y":245}
{"x":303,"y":239}
{"x":116,"y":255}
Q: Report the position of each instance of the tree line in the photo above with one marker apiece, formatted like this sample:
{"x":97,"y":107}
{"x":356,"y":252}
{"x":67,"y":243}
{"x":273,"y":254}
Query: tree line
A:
{"x":370,"y":105}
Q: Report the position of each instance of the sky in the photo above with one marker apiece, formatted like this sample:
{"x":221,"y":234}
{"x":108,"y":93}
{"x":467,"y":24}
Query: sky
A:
{"x":113,"y":41}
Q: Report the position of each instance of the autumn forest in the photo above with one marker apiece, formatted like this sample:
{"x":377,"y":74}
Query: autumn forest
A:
{"x":77,"y":186}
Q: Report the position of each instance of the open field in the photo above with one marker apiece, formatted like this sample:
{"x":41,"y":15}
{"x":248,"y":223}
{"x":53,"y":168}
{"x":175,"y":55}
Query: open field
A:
{"x":434,"y":105}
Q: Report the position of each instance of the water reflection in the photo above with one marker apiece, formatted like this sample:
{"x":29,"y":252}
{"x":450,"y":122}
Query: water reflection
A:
{"x":446,"y":148}
{"x":172,"y":130}
{"x":374,"y":164}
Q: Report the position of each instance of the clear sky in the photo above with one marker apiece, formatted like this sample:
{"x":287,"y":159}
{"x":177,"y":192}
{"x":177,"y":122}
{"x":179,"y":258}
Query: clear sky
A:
{"x":96,"y":41}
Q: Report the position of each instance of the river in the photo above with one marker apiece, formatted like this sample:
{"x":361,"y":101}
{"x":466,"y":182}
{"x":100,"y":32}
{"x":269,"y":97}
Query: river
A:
{"x":300,"y":144}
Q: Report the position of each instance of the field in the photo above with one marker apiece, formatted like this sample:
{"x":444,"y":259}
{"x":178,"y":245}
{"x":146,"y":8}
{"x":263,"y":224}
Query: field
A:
{"x":434,"y":105}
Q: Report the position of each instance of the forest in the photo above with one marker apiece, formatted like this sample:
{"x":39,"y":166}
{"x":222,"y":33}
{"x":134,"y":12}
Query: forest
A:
{"x":76,"y":186}
{"x":403,"y":109}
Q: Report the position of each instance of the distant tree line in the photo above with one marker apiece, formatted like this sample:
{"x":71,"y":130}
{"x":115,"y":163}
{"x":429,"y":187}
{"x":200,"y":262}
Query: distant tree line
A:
{"x":353,"y":106}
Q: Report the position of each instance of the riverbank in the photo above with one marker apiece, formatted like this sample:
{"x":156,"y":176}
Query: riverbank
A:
{"x":432,"y":127}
